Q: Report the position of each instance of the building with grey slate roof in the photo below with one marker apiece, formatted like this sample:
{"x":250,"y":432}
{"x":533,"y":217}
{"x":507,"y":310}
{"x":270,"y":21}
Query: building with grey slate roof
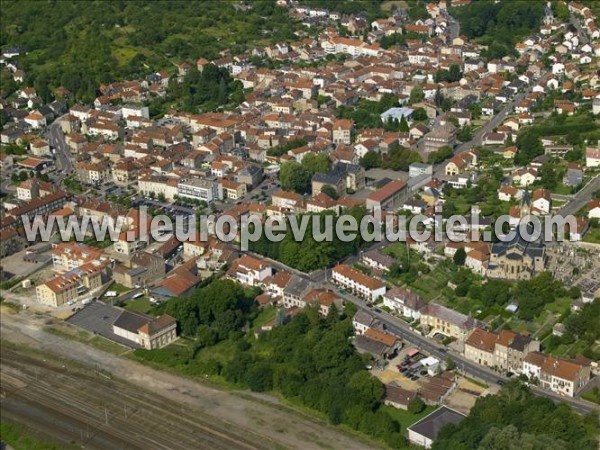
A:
{"x":426,"y":430}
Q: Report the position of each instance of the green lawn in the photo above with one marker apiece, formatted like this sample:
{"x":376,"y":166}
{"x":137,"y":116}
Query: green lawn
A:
{"x":23,"y":438}
{"x":77,"y":334}
{"x":405,"y":418}
{"x":141,"y":304}
{"x":592,"y":236}
{"x":264,"y":316}
{"x":592,"y":396}
{"x":119,"y":288}
{"x":559,"y":306}
{"x":222,"y":352}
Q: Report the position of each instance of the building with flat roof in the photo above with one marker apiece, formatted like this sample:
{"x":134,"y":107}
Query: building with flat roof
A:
{"x":397,"y":113}
{"x":199,"y":189}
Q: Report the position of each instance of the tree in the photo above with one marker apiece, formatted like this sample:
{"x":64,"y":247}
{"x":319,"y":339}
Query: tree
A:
{"x":403,"y":127}
{"x":416,"y":95}
{"x":549,"y":175}
{"x":460,"y":257}
{"x":316,"y":163}
{"x":450,"y":364}
{"x":416,"y":405}
{"x":529,"y":146}
{"x":440,"y":155}
{"x":330,"y":191}
{"x":295,"y":177}
{"x":465,"y":134}
{"x":420,"y":114}
{"x":370,"y":160}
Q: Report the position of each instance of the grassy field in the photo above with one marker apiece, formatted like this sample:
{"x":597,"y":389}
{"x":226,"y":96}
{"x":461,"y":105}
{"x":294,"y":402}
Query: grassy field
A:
{"x":264,"y":316}
{"x":22,"y":438}
{"x":119,"y":288}
{"x":405,"y":418}
{"x":141,"y":304}
{"x":70,"y":332}
{"x":592,"y":236}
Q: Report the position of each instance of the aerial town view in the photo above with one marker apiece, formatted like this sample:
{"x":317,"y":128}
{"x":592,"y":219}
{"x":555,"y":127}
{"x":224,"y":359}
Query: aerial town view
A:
{"x":300,"y":224}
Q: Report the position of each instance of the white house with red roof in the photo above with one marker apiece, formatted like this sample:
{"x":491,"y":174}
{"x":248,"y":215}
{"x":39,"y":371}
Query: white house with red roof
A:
{"x":357,"y":282}
{"x":250,"y":271}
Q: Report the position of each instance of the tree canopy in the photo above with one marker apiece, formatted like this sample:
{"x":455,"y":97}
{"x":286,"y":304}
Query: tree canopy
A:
{"x":515,"y":419}
{"x":309,"y":254}
{"x":499,"y":25}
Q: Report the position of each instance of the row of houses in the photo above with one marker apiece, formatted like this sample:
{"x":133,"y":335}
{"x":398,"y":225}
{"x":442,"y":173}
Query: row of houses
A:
{"x":508,"y":351}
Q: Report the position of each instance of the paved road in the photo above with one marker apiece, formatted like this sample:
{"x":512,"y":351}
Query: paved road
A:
{"x":56,"y":138}
{"x":581,"y":198}
{"x":6,"y":187}
{"x":495,"y":121}
{"x":404,"y":331}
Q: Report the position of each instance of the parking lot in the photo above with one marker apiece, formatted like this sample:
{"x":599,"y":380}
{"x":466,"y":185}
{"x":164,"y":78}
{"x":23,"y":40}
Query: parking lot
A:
{"x":98,"y":318}
{"x":410,"y":379}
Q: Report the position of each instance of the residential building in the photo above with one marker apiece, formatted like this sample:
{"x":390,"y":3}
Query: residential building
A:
{"x":389,"y":197}
{"x":159,"y":186}
{"x":360,"y":284}
{"x":66,"y":287}
{"x":140,"y":270}
{"x":70,"y":255}
{"x":362,"y":321}
{"x":503,"y":352}
{"x":377,"y":260}
{"x":564,"y":377}
{"x":441,"y":136}
{"x":397,"y":397}
{"x":594,"y":209}
{"x":404,"y":302}
{"x":342,"y":131}
{"x":40,"y":206}
{"x":460,"y":163}
{"x":446,"y":321}
{"x":249,"y":271}
{"x":592,"y":157}
{"x":294,"y":292}
{"x":198,"y":189}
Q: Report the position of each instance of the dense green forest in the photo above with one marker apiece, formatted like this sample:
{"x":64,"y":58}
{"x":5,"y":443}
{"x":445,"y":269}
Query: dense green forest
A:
{"x":517,"y":419}
{"x":311,"y":361}
{"x":499,"y":24}
{"x":80,"y":45}
{"x":214,"y":310}
{"x":309,"y":255}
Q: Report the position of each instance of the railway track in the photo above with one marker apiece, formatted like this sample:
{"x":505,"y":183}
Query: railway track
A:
{"x":100,"y":410}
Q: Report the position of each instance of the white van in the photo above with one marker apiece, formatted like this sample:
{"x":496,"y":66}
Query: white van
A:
{"x":138,"y":295}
